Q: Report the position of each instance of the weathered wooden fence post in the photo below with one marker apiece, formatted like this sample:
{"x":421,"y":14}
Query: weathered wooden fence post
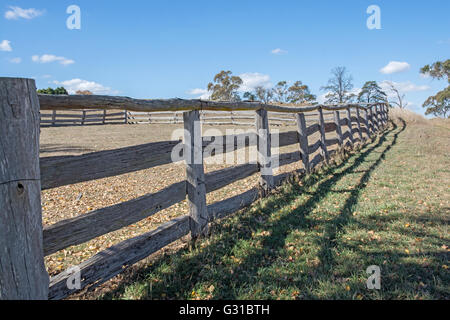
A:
{"x":303,"y":140}
{"x":264,"y":151}
{"x":337,"y":121}
{"x":377,"y":117}
{"x":366,"y":122}
{"x":195,"y":174}
{"x":383,"y":110}
{"x":358,"y":123}
{"x":350,"y":126}
{"x":83,"y":117}
{"x":323,"y":141}
{"x":54,"y":117}
{"x":104,"y":117}
{"x":22,"y":270}
{"x":374,"y":120}
{"x":371,"y":122}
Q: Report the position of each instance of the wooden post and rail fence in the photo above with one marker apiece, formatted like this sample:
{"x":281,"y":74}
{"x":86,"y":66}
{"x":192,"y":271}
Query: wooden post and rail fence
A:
{"x":24,"y":242}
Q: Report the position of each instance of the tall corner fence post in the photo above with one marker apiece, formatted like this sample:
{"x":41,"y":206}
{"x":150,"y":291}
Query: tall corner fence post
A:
{"x":323,"y":141}
{"x":22,"y":271}
{"x":358,"y":123}
{"x":195,"y":174}
{"x":266,"y":180}
{"x":303,"y":140}
{"x":350,"y":126}
{"x":337,"y":122}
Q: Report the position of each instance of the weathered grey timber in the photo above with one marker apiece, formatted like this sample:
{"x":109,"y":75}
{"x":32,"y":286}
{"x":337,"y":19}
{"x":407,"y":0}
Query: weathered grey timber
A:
{"x":195,"y":175}
{"x":303,"y":139}
{"x":112,"y":261}
{"x":337,"y":121}
{"x":264,"y":151}
{"x":350,"y":126}
{"x":324,"y":150}
{"x":22,"y":270}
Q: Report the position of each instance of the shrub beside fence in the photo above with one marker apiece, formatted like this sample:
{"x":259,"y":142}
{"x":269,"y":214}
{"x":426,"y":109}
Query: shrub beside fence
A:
{"x":23,"y":175}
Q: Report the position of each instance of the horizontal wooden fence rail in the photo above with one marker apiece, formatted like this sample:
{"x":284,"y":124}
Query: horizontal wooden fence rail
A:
{"x":82,"y":117}
{"x":345,"y":121}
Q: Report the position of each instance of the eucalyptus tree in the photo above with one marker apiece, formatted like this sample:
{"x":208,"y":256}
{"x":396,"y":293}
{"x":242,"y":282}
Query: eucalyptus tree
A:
{"x":225,"y":87}
{"x":300,"y":93}
{"x":439,"y":104}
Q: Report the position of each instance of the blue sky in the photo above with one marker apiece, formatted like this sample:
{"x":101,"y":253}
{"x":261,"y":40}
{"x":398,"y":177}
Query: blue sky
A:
{"x":167,"y":49}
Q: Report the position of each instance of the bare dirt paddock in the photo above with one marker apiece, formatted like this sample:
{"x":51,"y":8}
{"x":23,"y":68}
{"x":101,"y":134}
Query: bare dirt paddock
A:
{"x":73,"y":200}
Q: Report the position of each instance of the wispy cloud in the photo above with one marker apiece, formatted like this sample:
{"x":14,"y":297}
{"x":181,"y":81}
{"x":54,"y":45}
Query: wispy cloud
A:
{"x":446,"y":41}
{"x":74,"y":85}
{"x":5,"y":45}
{"x":15,"y":60}
{"x":278,"y":51}
{"x":16,"y":13}
{"x":48,"y":58}
{"x":403,"y":87}
{"x":395,"y":67}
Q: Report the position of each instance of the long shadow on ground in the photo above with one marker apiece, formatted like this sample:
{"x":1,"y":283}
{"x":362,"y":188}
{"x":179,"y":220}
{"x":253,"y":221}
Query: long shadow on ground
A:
{"x":175,"y":276}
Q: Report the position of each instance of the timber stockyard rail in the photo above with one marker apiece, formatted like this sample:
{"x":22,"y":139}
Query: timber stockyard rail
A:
{"x":24,"y":242}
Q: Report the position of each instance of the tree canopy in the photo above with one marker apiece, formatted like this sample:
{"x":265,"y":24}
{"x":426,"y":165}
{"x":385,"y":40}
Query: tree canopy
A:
{"x":439,"y":104}
{"x":339,"y":87}
{"x":299,"y":93}
{"x":372,"y":93}
{"x":225,"y":87}
{"x":57,"y":91}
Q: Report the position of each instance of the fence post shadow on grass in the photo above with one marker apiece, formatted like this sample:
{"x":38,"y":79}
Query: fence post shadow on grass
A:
{"x":275,"y":241}
{"x":344,"y":217}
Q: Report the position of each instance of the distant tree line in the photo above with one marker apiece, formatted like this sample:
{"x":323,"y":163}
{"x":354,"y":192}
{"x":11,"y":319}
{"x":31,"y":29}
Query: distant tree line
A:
{"x":57,"y":91}
{"x":225,"y":87}
{"x":62,"y":90}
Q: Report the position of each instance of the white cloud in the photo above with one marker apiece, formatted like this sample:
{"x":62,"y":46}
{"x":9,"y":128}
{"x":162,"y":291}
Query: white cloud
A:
{"x":202,"y":94}
{"x":395,"y":67}
{"x":17,"y":12}
{"x":5,"y":45}
{"x":15,"y":60}
{"x":197,"y":91}
{"x":403,"y":87}
{"x":48,"y":58}
{"x":252,"y":80}
{"x":72,"y":86}
{"x":278,"y":51}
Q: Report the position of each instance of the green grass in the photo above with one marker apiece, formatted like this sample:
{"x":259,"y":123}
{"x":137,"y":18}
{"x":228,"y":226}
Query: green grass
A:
{"x":386,"y":205}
